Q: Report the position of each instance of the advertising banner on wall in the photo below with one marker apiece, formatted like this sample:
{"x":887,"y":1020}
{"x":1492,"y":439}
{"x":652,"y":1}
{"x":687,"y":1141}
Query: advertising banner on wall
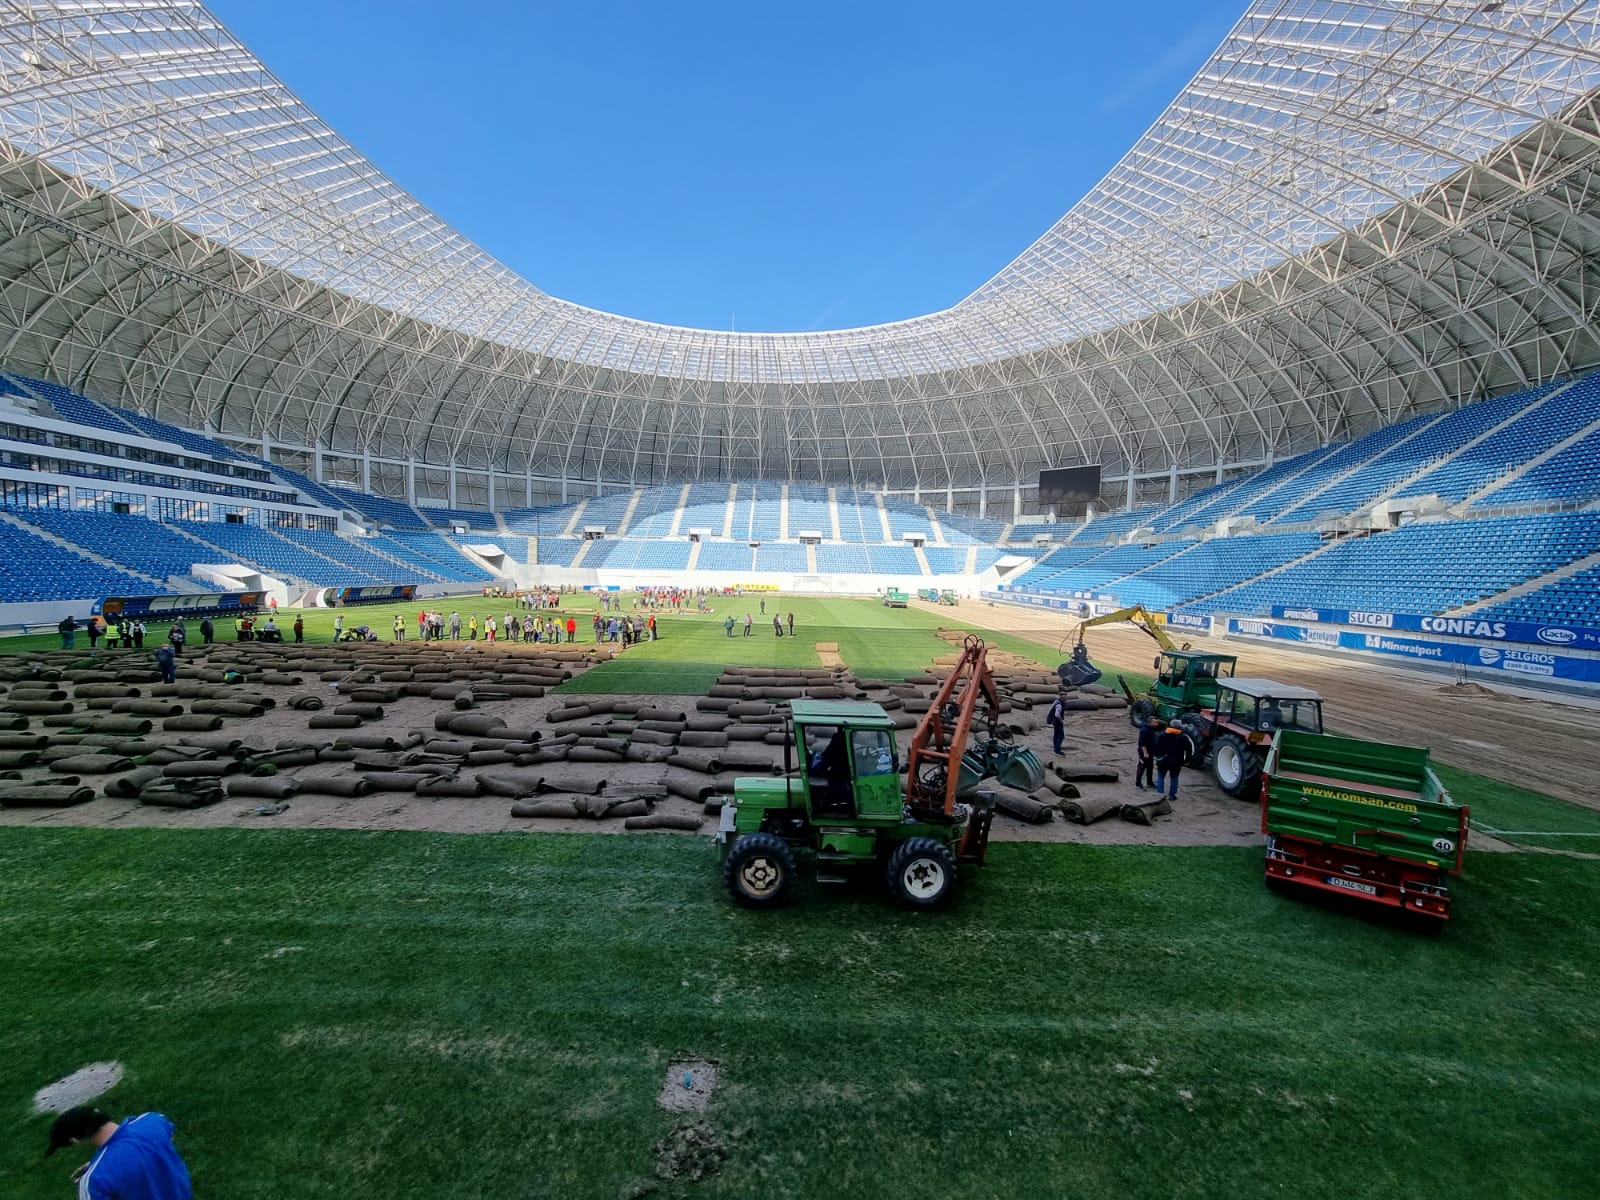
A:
{"x":1576,"y":637}
{"x":197,"y":604}
{"x":1194,"y":622}
{"x":1541,"y":661}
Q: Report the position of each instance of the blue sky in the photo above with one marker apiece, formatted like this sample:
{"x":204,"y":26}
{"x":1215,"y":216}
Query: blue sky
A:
{"x":772,"y":166}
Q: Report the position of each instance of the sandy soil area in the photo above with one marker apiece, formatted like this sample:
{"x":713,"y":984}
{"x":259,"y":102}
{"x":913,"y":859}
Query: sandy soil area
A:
{"x":1545,"y":743}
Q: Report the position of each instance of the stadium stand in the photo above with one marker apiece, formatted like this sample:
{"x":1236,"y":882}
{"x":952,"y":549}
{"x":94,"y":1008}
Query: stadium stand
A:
{"x":80,"y":410}
{"x":781,"y":556}
{"x":132,"y":541}
{"x":1426,"y":567}
{"x":276,"y":555}
{"x":725,"y":556}
{"x":34,"y":569}
{"x":1210,"y":566}
{"x":396,"y":514}
{"x":1561,"y":415}
{"x":1574,"y":600}
{"x":558,"y":551}
{"x":470,"y":517}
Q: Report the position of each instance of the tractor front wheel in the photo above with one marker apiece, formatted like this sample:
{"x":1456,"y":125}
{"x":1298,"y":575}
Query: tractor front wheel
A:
{"x":922,"y":873}
{"x":1140,"y":711}
{"x":759,"y":870}
{"x":1234,"y":766}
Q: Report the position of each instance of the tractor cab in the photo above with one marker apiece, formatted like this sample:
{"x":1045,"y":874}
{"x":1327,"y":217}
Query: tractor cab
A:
{"x":848,"y":760}
{"x":1259,"y":708}
{"x":1186,"y":681}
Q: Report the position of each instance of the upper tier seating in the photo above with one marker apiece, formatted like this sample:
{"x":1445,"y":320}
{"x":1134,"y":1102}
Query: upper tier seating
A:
{"x":395,"y":513}
{"x":1288,"y":498}
{"x":605,"y":511}
{"x":1427,"y":567}
{"x":653,"y":515}
{"x":1572,"y":475}
{"x":162,"y":432}
{"x":471,"y":518}
{"x":858,"y":516}
{"x":79,"y":410}
{"x":1096,"y":573}
{"x":1558,"y":418}
{"x":976,"y":529}
{"x":544,"y":521}
{"x":706,"y":508}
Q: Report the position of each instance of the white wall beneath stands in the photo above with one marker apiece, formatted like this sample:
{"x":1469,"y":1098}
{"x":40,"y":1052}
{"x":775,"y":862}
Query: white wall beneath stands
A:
{"x":785,"y":581}
{"x":15,"y":617}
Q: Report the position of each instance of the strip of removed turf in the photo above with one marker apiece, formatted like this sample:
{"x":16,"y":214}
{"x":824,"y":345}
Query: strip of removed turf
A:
{"x":391,"y":1014}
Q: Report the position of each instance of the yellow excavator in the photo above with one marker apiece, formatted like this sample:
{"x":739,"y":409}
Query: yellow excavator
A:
{"x":1078,"y":670}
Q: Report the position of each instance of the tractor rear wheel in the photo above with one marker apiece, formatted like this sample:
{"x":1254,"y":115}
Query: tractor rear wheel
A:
{"x":922,"y":873}
{"x":759,"y":870}
{"x":1234,"y":766}
{"x":1140,"y":711}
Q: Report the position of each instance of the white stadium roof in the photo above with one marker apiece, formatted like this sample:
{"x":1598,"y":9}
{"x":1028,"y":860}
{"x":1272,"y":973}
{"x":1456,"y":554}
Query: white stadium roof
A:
{"x":1351,"y":212}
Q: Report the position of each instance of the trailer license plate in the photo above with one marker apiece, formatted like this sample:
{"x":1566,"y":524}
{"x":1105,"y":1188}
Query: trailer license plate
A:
{"x":1350,"y":885}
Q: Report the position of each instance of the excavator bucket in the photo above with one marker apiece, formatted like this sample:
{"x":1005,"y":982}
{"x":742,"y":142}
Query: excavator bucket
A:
{"x":1018,"y":767}
{"x":1079,"y":670}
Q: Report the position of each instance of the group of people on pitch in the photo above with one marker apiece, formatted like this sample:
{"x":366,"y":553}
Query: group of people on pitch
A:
{"x":1162,"y":749}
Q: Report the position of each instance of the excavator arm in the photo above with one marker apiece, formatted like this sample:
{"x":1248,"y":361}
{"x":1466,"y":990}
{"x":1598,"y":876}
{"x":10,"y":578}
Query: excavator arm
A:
{"x":934,"y":768}
{"x":1136,"y":615}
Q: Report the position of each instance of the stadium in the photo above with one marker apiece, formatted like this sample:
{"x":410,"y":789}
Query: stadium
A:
{"x":1306,"y":384}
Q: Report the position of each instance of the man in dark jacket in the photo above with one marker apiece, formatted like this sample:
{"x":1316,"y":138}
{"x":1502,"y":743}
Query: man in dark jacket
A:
{"x":1056,"y":718}
{"x":1146,"y":773}
{"x":1171,"y":750}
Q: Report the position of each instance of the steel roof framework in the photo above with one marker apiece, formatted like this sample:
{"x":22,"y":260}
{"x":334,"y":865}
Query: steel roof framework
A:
{"x":1353,"y":211}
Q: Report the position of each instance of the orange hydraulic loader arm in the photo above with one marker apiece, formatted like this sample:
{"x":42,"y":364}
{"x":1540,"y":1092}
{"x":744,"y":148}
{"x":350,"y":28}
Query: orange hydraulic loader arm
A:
{"x":934,"y":769}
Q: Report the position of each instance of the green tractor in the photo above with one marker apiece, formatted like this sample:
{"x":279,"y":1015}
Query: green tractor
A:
{"x":846,"y":805}
{"x":1186,"y":681}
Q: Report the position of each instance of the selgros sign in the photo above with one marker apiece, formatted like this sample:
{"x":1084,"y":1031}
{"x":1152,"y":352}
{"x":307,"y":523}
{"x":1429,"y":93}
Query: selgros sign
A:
{"x":1576,"y":636}
{"x":1544,"y":661}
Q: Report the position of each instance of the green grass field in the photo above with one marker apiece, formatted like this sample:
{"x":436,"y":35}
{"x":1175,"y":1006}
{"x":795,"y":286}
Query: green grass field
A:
{"x":378,"y":1015}
{"x":426,"y":1015}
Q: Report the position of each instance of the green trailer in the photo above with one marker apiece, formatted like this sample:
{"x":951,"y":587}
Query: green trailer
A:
{"x":894,"y":598}
{"x":1363,"y":819}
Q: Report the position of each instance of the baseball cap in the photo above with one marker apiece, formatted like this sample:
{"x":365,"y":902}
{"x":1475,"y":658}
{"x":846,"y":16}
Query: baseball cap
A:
{"x":73,"y":1124}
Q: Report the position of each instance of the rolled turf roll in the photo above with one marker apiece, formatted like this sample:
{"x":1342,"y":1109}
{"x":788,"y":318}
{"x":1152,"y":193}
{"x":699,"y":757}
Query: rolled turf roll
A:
{"x":705,"y":762}
{"x":681,"y":821}
{"x":1019,"y":805}
{"x":377,"y":741}
{"x":557,"y":715}
{"x":227,"y":708}
{"x":269,"y":788}
{"x":367,"y":712}
{"x":24,"y":741}
{"x":702,"y":740}
{"x":500,"y":785}
{"x":43,"y":795}
{"x":706,"y":723}
{"x":148,"y":708}
{"x":544,"y":754}
{"x":334,"y":721}
{"x":474,"y":725}
{"x":128,"y":786}
{"x":11,"y":760}
{"x":116,"y":691}
{"x":304,"y":756}
{"x":192,"y":723}
{"x":594,"y":754}
{"x":549,"y":808}
{"x":335,"y":785}
{"x":214,"y":768}
{"x":182,"y":793}
{"x":465,"y":788}
{"x":1087,"y":810}
{"x":747,"y":758}
{"x":573,"y":782}
{"x":305,"y":702}
{"x":1145,"y":811}
{"x":279,"y":679}
{"x":489,"y":758}
{"x":647,"y":753}
{"x":92,"y":764}
{"x":749,"y":733}
{"x":454,"y":747}
{"x":394,"y":781}
{"x":376,"y":695}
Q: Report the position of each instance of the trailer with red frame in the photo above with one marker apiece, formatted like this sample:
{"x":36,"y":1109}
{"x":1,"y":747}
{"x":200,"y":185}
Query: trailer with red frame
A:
{"x":1363,"y":819}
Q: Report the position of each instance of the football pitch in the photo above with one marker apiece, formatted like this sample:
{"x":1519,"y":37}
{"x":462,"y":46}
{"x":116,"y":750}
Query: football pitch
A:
{"x":379,"y":1014}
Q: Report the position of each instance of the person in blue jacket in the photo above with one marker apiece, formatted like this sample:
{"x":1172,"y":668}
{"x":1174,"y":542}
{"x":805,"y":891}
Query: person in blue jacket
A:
{"x":133,"y":1159}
